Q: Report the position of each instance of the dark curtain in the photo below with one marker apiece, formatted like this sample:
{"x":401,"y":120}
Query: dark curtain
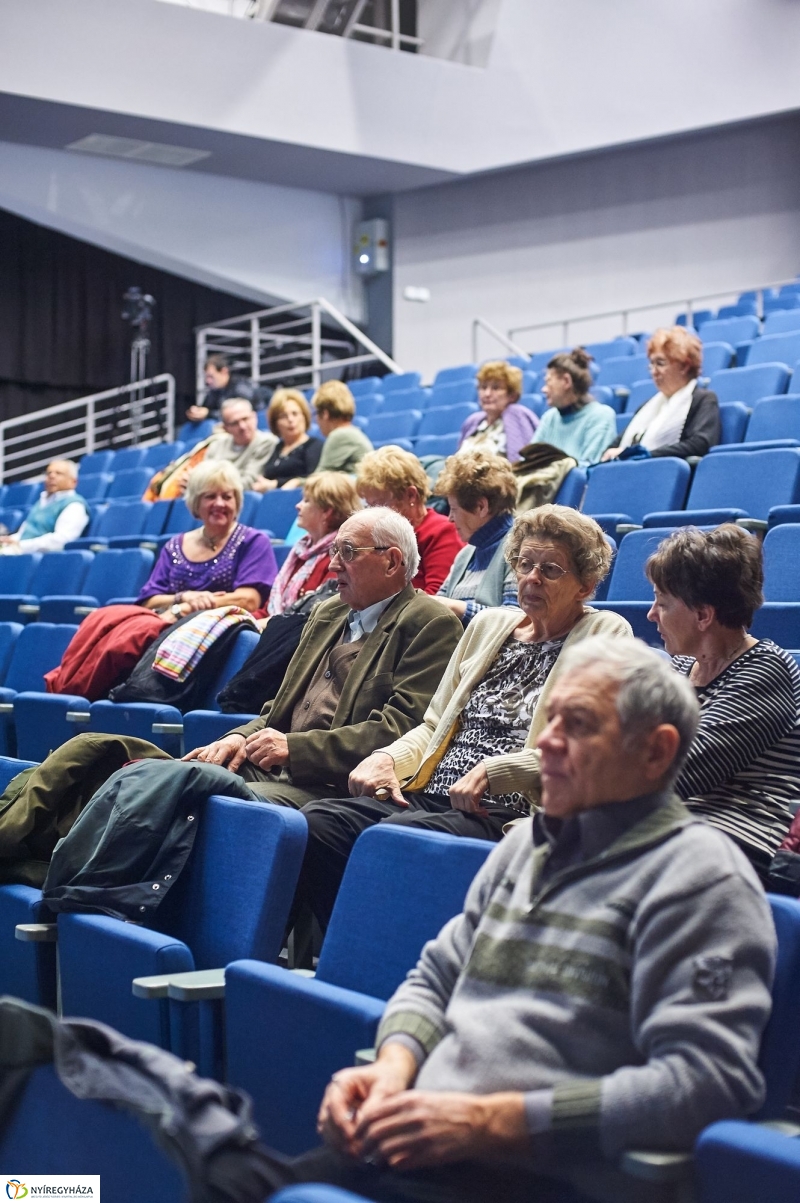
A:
{"x":61,"y":334}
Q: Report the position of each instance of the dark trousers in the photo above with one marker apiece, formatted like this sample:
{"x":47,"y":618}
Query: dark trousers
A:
{"x":334,"y":825}
{"x":463,"y":1182}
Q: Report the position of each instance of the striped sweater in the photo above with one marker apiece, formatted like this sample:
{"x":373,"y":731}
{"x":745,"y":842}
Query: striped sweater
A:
{"x":627,"y":992}
{"x":743,"y":768}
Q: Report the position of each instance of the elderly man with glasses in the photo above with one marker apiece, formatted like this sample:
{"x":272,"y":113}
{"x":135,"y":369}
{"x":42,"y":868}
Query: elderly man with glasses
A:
{"x":367,"y":665}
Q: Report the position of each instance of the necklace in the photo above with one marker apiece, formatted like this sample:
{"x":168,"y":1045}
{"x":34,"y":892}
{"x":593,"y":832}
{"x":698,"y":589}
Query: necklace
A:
{"x":209,"y":542}
{"x":725,"y":660}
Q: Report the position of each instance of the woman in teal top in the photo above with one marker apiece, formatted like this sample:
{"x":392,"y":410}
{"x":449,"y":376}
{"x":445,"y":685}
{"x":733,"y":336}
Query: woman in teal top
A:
{"x":574,"y":422}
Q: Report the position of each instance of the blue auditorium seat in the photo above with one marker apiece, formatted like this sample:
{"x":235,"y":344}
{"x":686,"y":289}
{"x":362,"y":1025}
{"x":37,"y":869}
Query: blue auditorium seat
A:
{"x":113,"y":573}
{"x":775,"y":421}
{"x":699,"y":318}
{"x":412,"y":398}
{"x":731,"y":330}
{"x":194,"y":432}
{"x":606,"y":396}
{"x":530,"y":381}
{"x":402,"y":424}
{"x":161,"y":454}
{"x":775,"y":348}
{"x":11,"y":518}
{"x":277,"y":511}
{"x":374,"y":938}
{"x":735,"y":1162}
{"x":94,"y":488}
{"x":535,"y":402}
{"x":624,"y":491}
{"x":122,"y":518}
{"x":94,"y":463}
{"x":540,"y":359}
{"x":734,"y":419}
{"x":129,"y":484}
{"x":572,"y":489}
{"x":56,"y":569}
{"x":448,"y":420}
{"x":366,"y":384}
{"x":779,"y":617}
{"x":623,"y":371}
{"x":457,"y":393}
{"x":465,"y":371}
{"x":180,"y":519}
{"x":256,"y":851}
{"x":716,"y":356}
{"x":37,"y":648}
{"x":749,"y":384}
{"x":403,"y":444}
{"x":622,"y":422}
{"x":612,"y":348}
{"x":152,"y":527}
{"x":370,"y":404}
{"x":781,"y":322}
{"x":127,"y":459}
{"x":400,"y":382}
{"x":748,"y":308}
{"x":16,"y":573}
{"x":629,"y":591}
{"x":780,"y":304}
{"x":443,"y":445}
{"x":641,"y":392}
{"x":737,"y":484}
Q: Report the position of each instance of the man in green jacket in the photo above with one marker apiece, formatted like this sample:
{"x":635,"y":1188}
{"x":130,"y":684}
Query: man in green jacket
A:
{"x":366,"y":668}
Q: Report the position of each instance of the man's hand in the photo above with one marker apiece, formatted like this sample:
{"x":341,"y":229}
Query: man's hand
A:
{"x":467,"y":793}
{"x":268,"y":749}
{"x":420,"y":1128}
{"x":375,"y":773}
{"x":7,"y":539}
{"x":228,"y":751}
{"x":196,"y":413}
{"x":349,"y":1089}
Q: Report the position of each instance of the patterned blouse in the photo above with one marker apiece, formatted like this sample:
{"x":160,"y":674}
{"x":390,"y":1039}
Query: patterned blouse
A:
{"x":498,"y":716}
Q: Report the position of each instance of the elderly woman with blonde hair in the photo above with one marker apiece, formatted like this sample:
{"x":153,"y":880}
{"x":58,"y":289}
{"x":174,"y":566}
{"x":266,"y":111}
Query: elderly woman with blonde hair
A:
{"x":682,"y":419}
{"x":345,"y":445}
{"x":501,"y":425}
{"x":395,"y":478}
{"x":221,"y":563}
{"x":471,"y":766}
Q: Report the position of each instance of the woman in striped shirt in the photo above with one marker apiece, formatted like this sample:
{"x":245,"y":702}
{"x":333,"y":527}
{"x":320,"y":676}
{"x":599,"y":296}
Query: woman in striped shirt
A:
{"x":743,"y":768}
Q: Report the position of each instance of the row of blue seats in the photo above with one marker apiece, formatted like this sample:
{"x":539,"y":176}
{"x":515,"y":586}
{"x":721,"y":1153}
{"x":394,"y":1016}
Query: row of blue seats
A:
{"x":781,"y":300}
{"x":205,"y":979}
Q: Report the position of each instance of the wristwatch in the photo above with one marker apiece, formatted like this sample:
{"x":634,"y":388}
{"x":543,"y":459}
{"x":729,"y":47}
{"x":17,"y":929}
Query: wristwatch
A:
{"x":176,"y":609}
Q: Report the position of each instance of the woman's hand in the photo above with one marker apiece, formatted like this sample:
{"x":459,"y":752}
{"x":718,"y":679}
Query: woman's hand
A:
{"x":262,"y":485}
{"x":198,"y":599}
{"x":375,"y":773}
{"x":612,"y":453}
{"x":468,"y":792}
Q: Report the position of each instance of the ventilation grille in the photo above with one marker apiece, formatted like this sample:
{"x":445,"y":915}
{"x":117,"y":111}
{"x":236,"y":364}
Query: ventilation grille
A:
{"x":142,"y":152}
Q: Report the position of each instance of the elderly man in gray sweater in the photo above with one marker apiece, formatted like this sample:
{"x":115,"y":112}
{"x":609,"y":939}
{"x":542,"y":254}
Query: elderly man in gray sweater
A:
{"x":605,"y":987}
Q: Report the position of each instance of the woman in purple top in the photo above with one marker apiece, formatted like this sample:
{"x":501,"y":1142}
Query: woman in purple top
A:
{"x":501,"y":426}
{"x":222,"y":563}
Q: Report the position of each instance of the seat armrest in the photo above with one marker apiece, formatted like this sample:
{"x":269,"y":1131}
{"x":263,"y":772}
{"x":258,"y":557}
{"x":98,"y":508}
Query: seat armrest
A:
{"x":6,"y":707}
{"x":756,"y":526}
{"x":156,"y":986}
{"x":365,"y":1056}
{"x":167,"y":729}
{"x":625,"y":528}
{"x":28,"y":608}
{"x":657,"y":1167}
{"x":37,"y":933}
{"x":197,"y":986}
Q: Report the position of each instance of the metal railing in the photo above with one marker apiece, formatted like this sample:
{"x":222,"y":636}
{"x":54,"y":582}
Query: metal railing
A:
{"x":129,"y":416}
{"x":619,"y":319}
{"x":288,"y":344}
{"x":479,"y":323}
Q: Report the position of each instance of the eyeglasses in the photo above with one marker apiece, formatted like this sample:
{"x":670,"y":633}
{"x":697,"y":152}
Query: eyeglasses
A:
{"x":658,"y":361}
{"x":549,"y":571}
{"x":347,"y":553}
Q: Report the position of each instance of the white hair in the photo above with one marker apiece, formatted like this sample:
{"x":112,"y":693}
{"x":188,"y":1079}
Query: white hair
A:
{"x":650,"y":691}
{"x":390,"y":529}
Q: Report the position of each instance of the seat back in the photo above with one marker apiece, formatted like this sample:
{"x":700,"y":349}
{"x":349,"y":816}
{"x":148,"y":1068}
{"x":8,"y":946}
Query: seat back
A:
{"x":716,"y":356}
{"x":9,"y":633}
{"x":277,"y":511}
{"x":11,"y":519}
{"x":782,"y":321}
{"x":641,"y":391}
{"x":464,"y":371}
{"x":399,"y":382}
{"x":399,"y":889}
{"x":244,"y":645}
{"x":572,"y":489}
{"x":126,"y":518}
{"x":402,"y":424}
{"x":117,"y":573}
{"x":753,"y":481}
{"x":129,"y":484}
{"x":38,"y":648}
{"x":369,"y":405}
{"x":731,"y":330}
{"x":536,"y":403}
{"x":637,"y":487}
{"x":60,"y":572}
{"x":156,"y":518}
{"x":613,"y":348}
{"x":782,"y":563}
{"x":749,"y":384}
{"x":775,"y":348}
{"x":779,"y":1059}
{"x":628,"y":580}
{"x":623,"y":370}
{"x":367,"y":384}
{"x":94,"y":488}
{"x":16,"y":572}
{"x":774,"y":418}
{"x":126,"y":459}
{"x":194,"y":432}
{"x":458,"y":392}
{"x":448,"y":420}
{"x":161,"y":454}
{"x":733,"y":420}
{"x":437,"y":444}
{"x":22,"y":494}
{"x":95,"y":462}
{"x":86,"y":1137}
{"x":256,"y":851}
{"x":179,"y":519}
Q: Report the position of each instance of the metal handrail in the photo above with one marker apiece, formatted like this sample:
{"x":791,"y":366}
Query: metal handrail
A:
{"x":689,"y":306}
{"x":269,"y":347}
{"x":126,"y":416}
{"x":479,"y":323}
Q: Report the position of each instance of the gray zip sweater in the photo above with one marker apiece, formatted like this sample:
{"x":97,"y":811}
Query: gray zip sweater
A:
{"x":623,"y":987}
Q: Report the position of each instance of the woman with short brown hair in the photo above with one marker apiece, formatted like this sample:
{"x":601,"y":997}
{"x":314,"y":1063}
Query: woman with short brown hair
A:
{"x":682,"y":419}
{"x":502,"y":426}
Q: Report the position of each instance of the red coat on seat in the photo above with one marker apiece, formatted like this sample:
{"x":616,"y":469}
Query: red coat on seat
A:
{"x":104,"y":650}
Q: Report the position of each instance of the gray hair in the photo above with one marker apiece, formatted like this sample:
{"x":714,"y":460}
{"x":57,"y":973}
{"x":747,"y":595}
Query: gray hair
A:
{"x":67,"y":463}
{"x":213,"y":473}
{"x":650,"y":692}
{"x":229,"y":401}
{"x":390,"y":529}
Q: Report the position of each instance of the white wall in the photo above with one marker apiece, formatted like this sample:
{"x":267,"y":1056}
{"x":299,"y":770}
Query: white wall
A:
{"x":256,"y":240}
{"x":707,"y":213}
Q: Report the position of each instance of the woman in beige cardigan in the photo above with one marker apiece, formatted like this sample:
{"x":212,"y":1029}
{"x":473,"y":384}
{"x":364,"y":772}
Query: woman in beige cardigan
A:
{"x":471,"y":766}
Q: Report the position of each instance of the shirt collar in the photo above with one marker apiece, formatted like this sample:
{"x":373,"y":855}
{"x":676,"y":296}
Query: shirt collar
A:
{"x":45,"y":497}
{"x":492,"y":531}
{"x":364,"y":622}
{"x":584,"y":836}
